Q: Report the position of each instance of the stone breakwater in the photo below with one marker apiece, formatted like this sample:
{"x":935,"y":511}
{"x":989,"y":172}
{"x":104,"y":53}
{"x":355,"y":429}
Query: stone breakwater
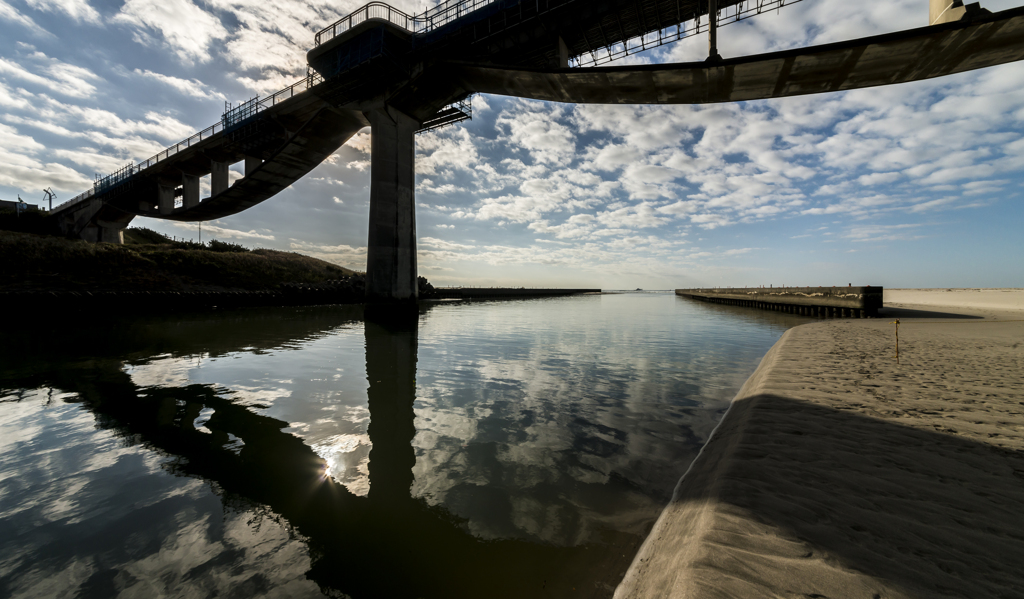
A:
{"x":821,"y":302}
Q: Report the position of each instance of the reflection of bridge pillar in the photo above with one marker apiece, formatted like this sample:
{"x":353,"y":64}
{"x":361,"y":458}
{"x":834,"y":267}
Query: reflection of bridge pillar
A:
{"x":219,"y":180}
{"x":391,"y":373}
{"x":391,"y":244}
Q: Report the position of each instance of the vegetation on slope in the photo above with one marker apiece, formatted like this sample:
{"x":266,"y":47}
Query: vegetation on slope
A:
{"x":149,"y":261}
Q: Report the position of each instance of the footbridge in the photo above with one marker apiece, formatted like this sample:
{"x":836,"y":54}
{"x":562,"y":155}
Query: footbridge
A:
{"x":401,"y":74}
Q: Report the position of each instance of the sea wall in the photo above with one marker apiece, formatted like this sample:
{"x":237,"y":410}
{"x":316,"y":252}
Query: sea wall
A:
{"x":503,"y":292}
{"x":855,"y":302}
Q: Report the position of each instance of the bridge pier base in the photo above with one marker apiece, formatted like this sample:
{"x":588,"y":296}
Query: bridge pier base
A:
{"x":391,"y":240}
{"x":101,"y":231}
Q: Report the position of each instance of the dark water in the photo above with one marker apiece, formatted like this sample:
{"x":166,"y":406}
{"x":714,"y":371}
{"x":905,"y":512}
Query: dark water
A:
{"x":498,"y":449}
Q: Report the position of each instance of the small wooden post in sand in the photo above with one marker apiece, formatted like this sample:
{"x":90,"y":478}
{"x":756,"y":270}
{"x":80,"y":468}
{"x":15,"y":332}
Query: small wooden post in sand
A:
{"x":897,"y":323}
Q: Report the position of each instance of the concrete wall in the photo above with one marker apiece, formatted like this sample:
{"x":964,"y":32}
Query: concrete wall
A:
{"x":809,"y":301}
{"x":505,"y":292}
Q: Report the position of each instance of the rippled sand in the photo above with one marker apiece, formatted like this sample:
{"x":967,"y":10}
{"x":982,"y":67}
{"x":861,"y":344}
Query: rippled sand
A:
{"x":838,"y":473}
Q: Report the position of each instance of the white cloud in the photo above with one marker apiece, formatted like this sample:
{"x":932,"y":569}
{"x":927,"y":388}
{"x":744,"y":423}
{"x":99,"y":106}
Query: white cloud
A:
{"x":60,"y":77}
{"x":9,"y":13}
{"x":340,"y":254}
{"x":188,"y":87}
{"x":79,"y":10}
{"x":535,"y":127}
{"x":216,"y":231}
{"x":189,"y":30}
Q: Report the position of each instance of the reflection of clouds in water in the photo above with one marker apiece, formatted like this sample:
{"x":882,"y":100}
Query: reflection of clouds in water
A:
{"x":348,"y":459}
{"x":163,"y":371}
{"x":76,"y":530}
{"x":259,"y":397}
{"x":558,"y":429}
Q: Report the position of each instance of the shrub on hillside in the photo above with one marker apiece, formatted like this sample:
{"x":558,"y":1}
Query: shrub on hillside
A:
{"x":142,"y":235}
{"x":225,"y":246}
{"x":29,"y":221}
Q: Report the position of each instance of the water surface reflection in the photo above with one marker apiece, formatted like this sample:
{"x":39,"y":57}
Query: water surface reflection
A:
{"x":498,"y":449}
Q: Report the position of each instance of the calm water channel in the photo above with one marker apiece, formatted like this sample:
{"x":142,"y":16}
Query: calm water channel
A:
{"x":491,"y":449}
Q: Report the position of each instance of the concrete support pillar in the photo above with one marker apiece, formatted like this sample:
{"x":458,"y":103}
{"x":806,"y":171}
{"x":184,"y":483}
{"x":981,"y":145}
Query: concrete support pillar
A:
{"x":251,"y":164}
{"x":219,"y":180}
{"x":165,"y":196}
{"x":391,"y":244}
{"x":945,"y":11}
{"x":563,"y":55}
{"x":713,"y":55}
{"x":190,"y":187}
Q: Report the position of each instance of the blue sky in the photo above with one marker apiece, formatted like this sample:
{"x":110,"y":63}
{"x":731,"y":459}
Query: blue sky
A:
{"x":916,"y":185}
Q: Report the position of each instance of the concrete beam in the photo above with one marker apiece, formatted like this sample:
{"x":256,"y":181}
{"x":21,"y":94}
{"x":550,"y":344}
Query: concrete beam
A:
{"x":983,"y":41}
{"x":219,"y":178}
{"x":391,"y":245}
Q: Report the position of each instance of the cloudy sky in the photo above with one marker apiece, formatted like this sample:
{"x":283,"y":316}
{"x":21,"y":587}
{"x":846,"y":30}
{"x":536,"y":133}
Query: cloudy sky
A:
{"x":916,"y":185}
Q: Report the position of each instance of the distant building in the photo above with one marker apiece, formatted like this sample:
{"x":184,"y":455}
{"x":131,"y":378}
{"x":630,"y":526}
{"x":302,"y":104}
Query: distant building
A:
{"x":8,"y":205}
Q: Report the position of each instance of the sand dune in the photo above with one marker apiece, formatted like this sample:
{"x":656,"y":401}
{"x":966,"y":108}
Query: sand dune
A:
{"x":838,"y":473}
{"x":992,"y":300}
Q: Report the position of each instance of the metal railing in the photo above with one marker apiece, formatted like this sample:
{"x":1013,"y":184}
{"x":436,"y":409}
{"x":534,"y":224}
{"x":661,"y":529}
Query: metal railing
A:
{"x":257,"y":105}
{"x":431,"y":19}
{"x":373,"y":10}
{"x":653,"y":39}
{"x":449,"y":115}
{"x":446,"y":12}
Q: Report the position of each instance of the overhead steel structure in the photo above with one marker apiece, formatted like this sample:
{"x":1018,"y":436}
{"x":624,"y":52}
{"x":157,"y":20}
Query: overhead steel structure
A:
{"x":401,"y":74}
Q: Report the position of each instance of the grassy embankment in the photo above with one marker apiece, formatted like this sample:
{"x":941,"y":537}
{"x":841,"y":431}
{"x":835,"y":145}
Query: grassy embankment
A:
{"x":149,"y":261}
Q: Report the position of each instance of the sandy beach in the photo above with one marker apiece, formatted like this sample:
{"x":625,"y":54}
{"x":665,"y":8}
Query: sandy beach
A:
{"x":838,"y":473}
